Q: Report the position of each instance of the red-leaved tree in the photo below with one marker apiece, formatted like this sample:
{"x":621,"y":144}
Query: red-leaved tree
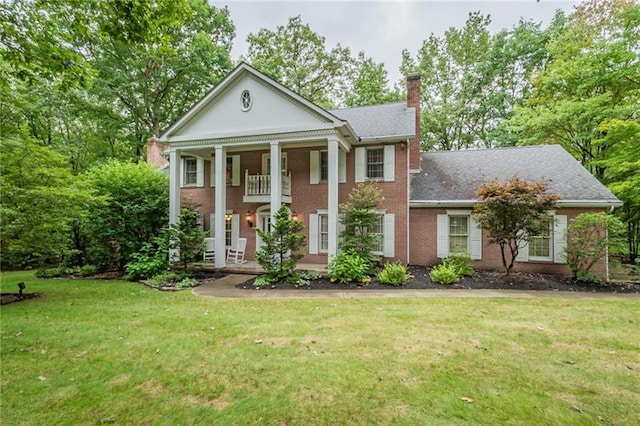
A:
{"x":512,"y":212}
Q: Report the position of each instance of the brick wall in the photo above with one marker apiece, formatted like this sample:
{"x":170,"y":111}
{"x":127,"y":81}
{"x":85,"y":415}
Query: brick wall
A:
{"x":306,"y":198}
{"x":154,"y":152}
{"x":423,"y":245}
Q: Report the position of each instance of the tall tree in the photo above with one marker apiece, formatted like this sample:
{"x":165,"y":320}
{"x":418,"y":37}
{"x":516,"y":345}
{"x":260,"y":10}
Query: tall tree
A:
{"x":471,"y":80}
{"x":370,"y":85}
{"x":297,"y":57}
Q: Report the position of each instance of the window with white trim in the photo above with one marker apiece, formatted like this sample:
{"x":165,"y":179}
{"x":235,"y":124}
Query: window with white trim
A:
{"x":378,"y":229}
{"x":324,"y":166}
{"x":540,"y":245}
{"x":228,"y":230}
{"x":459,"y":234}
{"x":323,"y":233}
{"x":375,"y":163}
{"x":266,"y":163}
{"x":190,"y":171}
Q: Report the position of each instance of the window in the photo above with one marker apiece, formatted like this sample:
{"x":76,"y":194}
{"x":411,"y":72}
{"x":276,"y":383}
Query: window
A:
{"x":190,"y":171}
{"x":245,"y":100}
{"x":375,"y":163}
{"x":229,"y":170}
{"x":458,"y":234}
{"x":540,"y":245}
{"x":228,"y":230}
{"x":266,"y":163}
{"x":323,"y":233}
{"x":324,"y":165}
{"x":378,"y":229}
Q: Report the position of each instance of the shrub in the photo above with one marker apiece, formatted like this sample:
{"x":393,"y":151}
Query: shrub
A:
{"x":169,"y":277}
{"x":394,"y":274}
{"x":151,"y":261}
{"x":444,"y":274}
{"x":348,"y":266}
{"x":88,"y":270}
{"x":49,"y":272}
{"x":461,"y":263}
{"x":186,"y":283}
{"x":588,"y":237}
{"x":264,"y":281}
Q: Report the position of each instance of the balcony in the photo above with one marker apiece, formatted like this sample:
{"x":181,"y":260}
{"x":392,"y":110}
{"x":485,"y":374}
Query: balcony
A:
{"x":257,"y":188}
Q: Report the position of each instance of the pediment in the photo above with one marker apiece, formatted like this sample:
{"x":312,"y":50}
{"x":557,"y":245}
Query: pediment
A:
{"x":248,"y":103}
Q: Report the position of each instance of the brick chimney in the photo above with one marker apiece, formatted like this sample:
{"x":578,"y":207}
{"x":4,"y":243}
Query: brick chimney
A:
{"x":154,"y":152}
{"x":413,"y":100}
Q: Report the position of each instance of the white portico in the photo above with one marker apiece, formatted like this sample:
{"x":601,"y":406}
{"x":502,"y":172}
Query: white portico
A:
{"x":246,"y":116}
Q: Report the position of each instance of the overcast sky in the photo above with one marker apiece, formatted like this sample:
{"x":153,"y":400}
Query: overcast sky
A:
{"x":381,"y":28}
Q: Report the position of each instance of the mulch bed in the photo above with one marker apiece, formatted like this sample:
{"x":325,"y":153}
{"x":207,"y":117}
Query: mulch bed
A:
{"x":6,"y":298}
{"x":483,"y":280}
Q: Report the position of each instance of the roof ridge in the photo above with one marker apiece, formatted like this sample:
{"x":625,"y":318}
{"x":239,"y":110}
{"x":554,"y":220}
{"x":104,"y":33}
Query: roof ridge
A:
{"x":500,"y":148}
{"x":367,"y":106}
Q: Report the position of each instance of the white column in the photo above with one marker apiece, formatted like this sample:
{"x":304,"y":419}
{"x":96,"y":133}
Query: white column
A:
{"x":276,"y":179}
{"x":220,"y":205}
{"x":174,"y":186}
{"x":174,"y":195}
{"x":332,"y":201}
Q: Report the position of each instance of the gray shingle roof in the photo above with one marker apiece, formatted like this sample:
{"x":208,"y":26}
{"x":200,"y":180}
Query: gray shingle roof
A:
{"x":380,"y":121}
{"x":456,"y":175}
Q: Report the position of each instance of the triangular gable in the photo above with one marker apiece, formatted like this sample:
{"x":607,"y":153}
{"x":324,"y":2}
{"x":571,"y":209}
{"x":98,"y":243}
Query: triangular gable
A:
{"x":273,"y":108}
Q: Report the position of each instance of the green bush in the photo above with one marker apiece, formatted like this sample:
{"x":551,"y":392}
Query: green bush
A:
{"x":149,"y":262}
{"x":394,"y":274}
{"x":264,"y":281}
{"x":88,"y":270}
{"x":49,"y":272}
{"x":444,"y":274}
{"x":348,"y":266}
{"x":168,"y":277}
{"x":461,"y":263}
{"x":186,"y":283}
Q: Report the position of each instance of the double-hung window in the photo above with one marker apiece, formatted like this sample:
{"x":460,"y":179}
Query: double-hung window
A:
{"x":323,"y":233}
{"x":375,"y":163}
{"x":459,"y":234}
{"x":378,"y":230}
{"x":540,"y":245}
{"x":190,"y":171}
{"x":324,"y":166}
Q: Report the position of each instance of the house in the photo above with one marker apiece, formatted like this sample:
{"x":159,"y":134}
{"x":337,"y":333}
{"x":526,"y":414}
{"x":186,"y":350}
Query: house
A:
{"x":251,"y":145}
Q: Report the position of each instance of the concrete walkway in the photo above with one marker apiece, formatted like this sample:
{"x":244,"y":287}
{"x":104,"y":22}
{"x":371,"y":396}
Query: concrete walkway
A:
{"x":225,"y":288}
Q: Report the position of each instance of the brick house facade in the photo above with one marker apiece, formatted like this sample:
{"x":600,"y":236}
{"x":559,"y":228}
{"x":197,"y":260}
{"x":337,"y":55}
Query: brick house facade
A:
{"x":252,"y":144}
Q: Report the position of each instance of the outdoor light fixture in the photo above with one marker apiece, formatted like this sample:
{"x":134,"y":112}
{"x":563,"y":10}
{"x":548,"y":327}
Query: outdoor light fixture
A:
{"x":227,"y":217}
{"x":21,"y":287}
{"x":294,"y":216}
{"x":249,"y":218}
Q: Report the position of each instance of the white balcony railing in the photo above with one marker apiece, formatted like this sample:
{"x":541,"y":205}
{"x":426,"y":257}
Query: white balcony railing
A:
{"x":260,"y":185}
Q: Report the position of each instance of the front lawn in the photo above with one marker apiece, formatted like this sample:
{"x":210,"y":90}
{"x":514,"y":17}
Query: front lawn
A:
{"x":114,"y":352}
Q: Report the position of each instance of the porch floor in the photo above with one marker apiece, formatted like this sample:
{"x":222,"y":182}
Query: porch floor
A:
{"x":252,"y":267}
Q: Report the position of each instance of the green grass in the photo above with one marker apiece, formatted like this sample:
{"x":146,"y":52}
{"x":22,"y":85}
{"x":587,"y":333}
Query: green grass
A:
{"x":92,"y":352}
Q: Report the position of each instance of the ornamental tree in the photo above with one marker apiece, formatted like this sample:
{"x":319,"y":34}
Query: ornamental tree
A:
{"x":280,"y":247}
{"x":512,"y":212}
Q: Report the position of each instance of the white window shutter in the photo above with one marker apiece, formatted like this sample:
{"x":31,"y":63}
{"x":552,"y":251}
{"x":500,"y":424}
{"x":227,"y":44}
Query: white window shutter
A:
{"x":389,"y":163}
{"x":475,"y":243}
{"x":212,"y":171}
{"x":361,"y":164}
{"x":200,"y":172}
{"x":182,"y":169}
{"x":314,"y":167}
{"x":342,"y":166}
{"x":235,"y":170}
{"x":388,"y":235}
{"x":443,"y":235}
{"x":560,"y":239}
{"x":341,"y":229}
{"x":212,"y":225}
{"x":235,"y":229}
{"x":200,"y":222}
{"x":313,"y":233}
{"x":523,"y":253}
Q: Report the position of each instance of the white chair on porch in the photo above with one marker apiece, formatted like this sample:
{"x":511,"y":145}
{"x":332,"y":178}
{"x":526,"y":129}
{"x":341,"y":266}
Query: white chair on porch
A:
{"x":236,"y":255}
{"x":209,"y":249}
